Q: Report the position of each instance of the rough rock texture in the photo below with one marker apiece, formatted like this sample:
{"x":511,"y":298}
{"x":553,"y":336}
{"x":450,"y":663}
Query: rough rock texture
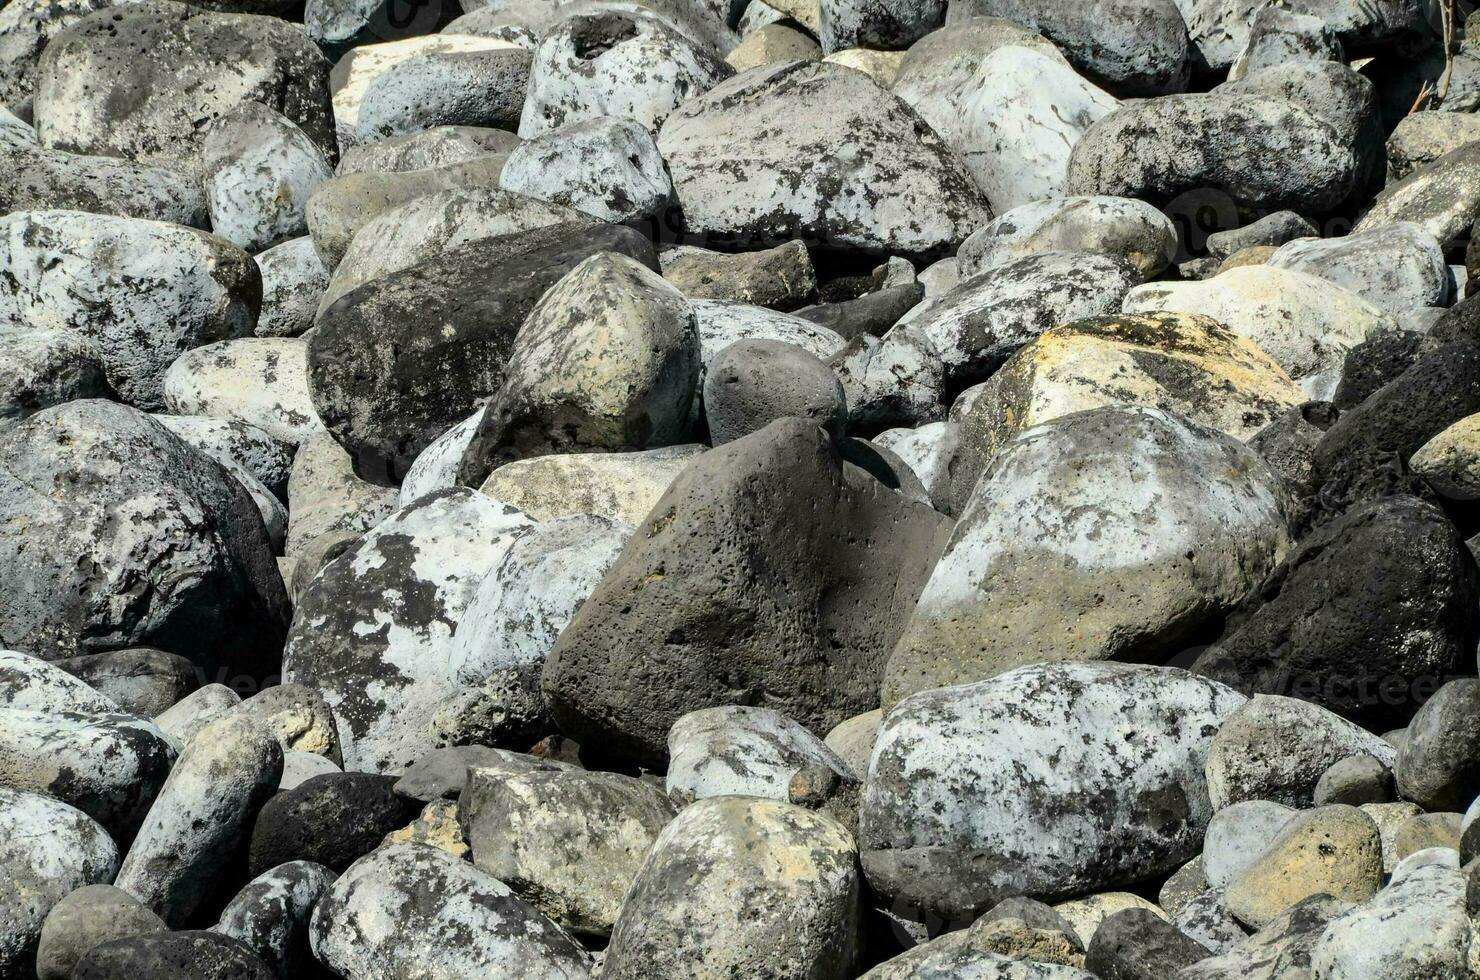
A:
{"x":331,"y":820}
{"x":262,"y":381}
{"x":706,"y":622}
{"x":608,"y":168}
{"x":186,"y":955}
{"x":973,"y":789}
{"x":737,"y":183}
{"x":42,"y":368}
{"x":622,"y":487}
{"x":36,"y":178}
{"x":88,"y":917}
{"x":1082,"y":541}
{"x":1123,"y":227}
{"x":259,"y":170}
{"x":271,"y":915}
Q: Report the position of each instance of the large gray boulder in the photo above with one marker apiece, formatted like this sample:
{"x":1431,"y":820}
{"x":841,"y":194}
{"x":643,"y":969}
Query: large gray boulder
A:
{"x":259,"y":170}
{"x":483,"y":88}
{"x":1115,"y":532}
{"x":262,"y":381}
{"x":190,"y":570}
{"x":608,"y":168}
{"x":1123,"y":227}
{"x":40,"y":368}
{"x":136,"y":83}
{"x":373,"y":632}
{"x":725,"y":572}
{"x":746,"y":170}
{"x":35,"y":178}
{"x":1395,"y":267}
{"x":977,"y":792}
{"x":144,"y":292}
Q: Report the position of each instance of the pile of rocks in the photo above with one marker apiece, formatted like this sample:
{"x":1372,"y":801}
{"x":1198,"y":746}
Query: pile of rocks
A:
{"x":767,"y":489}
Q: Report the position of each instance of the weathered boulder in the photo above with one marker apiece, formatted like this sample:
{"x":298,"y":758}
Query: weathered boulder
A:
{"x":738,"y":750}
{"x":36,"y":178}
{"x":608,"y":168}
{"x":262,"y":381}
{"x":42,"y":368}
{"x":271,"y":915}
{"x":259,"y":170}
{"x":88,"y":917}
{"x":1123,"y":227}
{"x":293,"y":280}
{"x":483,"y":88}
{"x":1394,"y":267}
{"x":622,"y":487}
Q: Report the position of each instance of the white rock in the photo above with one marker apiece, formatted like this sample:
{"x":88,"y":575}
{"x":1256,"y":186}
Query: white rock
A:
{"x":262,"y":381}
{"x":608,"y":168}
{"x":736,"y":750}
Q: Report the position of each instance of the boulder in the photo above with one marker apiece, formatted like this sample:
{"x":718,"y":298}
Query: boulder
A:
{"x":1331,"y":850}
{"x":742,"y":887}
{"x":686,"y":596}
{"x":1438,"y":766}
{"x":608,"y":168}
{"x":780,"y":278}
{"x":31,"y":684}
{"x":1416,"y":926}
{"x":271,"y":915}
{"x":46,"y":367}
{"x":136,"y":83}
{"x":88,"y":917}
{"x":428,"y":149}
{"x":1450,"y":461}
{"x":877,"y":24}
{"x":1361,"y":616}
{"x":443,"y":773}
{"x":1355,"y":780}
{"x":1279,"y":951}
{"x":186,"y":955}
{"x":1394,"y":267}
{"x":1442,"y":197}
{"x":329,"y":506}
{"x":262,"y":381}
{"x":483,"y":87}
{"x":746,"y":172}
{"x":1108,"y":534}
{"x":899,"y":380}
{"x":1136,"y":943}
{"x":190,"y":570}
{"x":1237,"y":835}
{"x":239,"y":446}
{"x":298,"y":717}
{"x":374,"y":629}
{"x":143,"y":292}
{"x":450,"y":920}
{"x":752,"y":383}
{"x":1123,"y":227}
{"x":293,"y":280}
{"x":621,"y":487}
{"x":437,"y":466}
{"x":183,"y":720}
{"x":737,"y":750}
{"x":36,"y":178}
{"x":259,"y":170}
{"x":141,"y":681}
{"x":331,"y":820}
{"x":976,"y":792}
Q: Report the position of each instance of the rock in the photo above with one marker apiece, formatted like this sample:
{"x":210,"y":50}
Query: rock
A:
{"x":969,"y":952}
{"x":1415,"y":927}
{"x":374,"y":630}
{"x":752,"y":383}
{"x":437,"y":825}
{"x":428,"y":149}
{"x":876,"y":24}
{"x":739,"y":181}
{"x":1425,"y":832}
{"x":872,"y":313}
{"x":723,"y":322}
{"x":614,"y":63}
{"x":1358,"y":617}
{"x":47,"y":850}
{"x":451,"y":920}
{"x":88,"y":917}
{"x":1438,"y":766}
{"x":569,"y":842}
{"x":1318,"y":321}
{"x":1389,"y":817}
{"x":1423,"y":137}
{"x":331,"y":820}
{"x":424,"y":227}
{"x":189,"y":568}
{"x":1273,"y":229}
{"x":606,"y":360}
{"x":183,"y":720}
{"x":771,"y":44}
{"x":1237,"y":835}
{"x":373,"y":352}
{"x":36,"y":178}
{"x":1277,"y":748}
{"x":753,"y":888}
{"x":442,"y":773}
{"x":1185,"y":884}
{"x":779,"y":278}
{"x":300,"y":767}
{"x":259,"y":171}
{"x":1332,"y":850}
{"x":1450,"y":462}
{"x":328,"y":502}
{"x":853,"y":740}
{"x":899,"y":380}
{"x":608,"y":168}
{"x":1207,"y":921}
{"x":141,"y":681}
{"x":985,"y":319}
{"x":1394,"y":267}
{"x":202,"y":814}
{"x":1441,"y":198}
{"x":42,"y":368}
{"x":1288,"y":444}
{"x":136,"y":83}
{"x":1131,"y":48}
{"x":1278,"y":37}
{"x":236,"y":445}
{"x":484,"y":87}
{"x":1125,"y":228}
{"x":30,"y":684}
{"x":293,"y":280}
{"x":271,"y":915}
{"x":1355,"y":780}
{"x":1258,"y":154}
{"x":187,"y":955}
{"x":1186,"y":364}
{"x":1374,"y":362}
{"x":621,"y":487}
{"x":708,"y":626}
{"x":1083,"y":527}
{"x":1137,"y":944}
{"x":102,"y":277}
{"x":437,"y":466}
{"x":513,"y":619}
{"x":881,"y":66}
{"x":1084,"y":916}
{"x":1279,"y":951}
{"x":262,"y":381}
{"x":948,"y":827}
{"x":299,"y":718}
{"x":743,"y":751}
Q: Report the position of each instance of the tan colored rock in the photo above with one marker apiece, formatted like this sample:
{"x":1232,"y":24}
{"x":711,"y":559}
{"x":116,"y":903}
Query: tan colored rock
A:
{"x":1426,"y":830}
{"x":437,"y":825}
{"x":300,"y":719}
{"x":1450,"y":461}
{"x":780,"y":278}
{"x":774,"y":42}
{"x":1084,"y":915}
{"x":1017,"y":940}
{"x":1335,"y":850}
{"x":620,"y":486}
{"x":325,"y":495}
{"x":1179,"y":362}
{"x":881,"y":66}
{"x":1252,"y":255}
{"x":808,"y":13}
{"x":1389,"y":817}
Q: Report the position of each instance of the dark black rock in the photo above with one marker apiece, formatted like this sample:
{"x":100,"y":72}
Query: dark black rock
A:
{"x":1373,"y":363}
{"x":271,"y":916}
{"x":752,"y":383}
{"x":872,"y":313}
{"x":1138,"y":944}
{"x":142,"y":681}
{"x":1366,"y":616}
{"x":769,"y":573}
{"x":400,"y":360}
{"x":1288,"y":444}
{"x":331,"y":820}
{"x":172,"y":956}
